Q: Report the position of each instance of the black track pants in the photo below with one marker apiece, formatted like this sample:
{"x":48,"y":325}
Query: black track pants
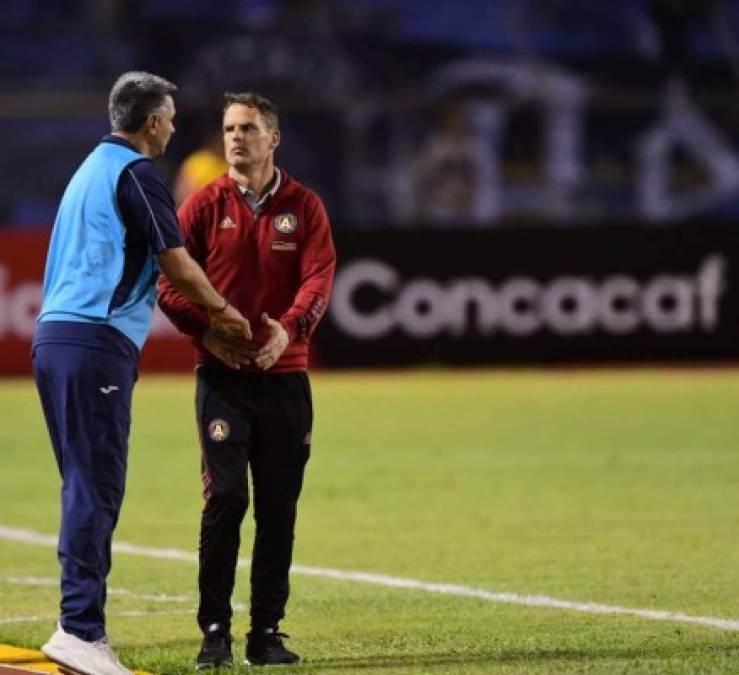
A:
{"x":261,"y":421}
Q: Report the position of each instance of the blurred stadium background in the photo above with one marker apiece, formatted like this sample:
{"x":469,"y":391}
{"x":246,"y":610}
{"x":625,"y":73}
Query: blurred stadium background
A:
{"x":511,"y":183}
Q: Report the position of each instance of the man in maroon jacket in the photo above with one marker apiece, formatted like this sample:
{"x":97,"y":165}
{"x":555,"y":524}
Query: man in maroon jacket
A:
{"x":265,"y":242}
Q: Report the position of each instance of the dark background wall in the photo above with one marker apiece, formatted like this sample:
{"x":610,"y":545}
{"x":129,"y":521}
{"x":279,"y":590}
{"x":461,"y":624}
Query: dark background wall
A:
{"x":535,"y":139}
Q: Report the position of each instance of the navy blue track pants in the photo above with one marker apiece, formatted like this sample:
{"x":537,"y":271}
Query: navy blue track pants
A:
{"x":86,"y":397}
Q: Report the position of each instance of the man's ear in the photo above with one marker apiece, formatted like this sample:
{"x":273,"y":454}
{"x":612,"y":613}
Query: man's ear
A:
{"x":152,"y":121}
{"x":275,"y":138}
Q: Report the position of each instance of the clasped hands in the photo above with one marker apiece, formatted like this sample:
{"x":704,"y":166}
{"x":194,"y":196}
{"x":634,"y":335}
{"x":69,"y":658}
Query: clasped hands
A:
{"x":236,"y":347}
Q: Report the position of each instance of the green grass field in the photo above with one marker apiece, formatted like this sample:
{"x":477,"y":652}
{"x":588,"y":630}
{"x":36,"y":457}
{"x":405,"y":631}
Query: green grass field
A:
{"x":613,"y":487}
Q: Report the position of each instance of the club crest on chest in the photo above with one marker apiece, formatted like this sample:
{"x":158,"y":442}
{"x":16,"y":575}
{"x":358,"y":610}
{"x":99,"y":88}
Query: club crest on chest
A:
{"x":286,"y":223}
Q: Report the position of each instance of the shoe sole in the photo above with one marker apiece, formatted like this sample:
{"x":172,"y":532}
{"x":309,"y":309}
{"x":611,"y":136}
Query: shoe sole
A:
{"x":63,"y":668}
{"x":213,"y":666}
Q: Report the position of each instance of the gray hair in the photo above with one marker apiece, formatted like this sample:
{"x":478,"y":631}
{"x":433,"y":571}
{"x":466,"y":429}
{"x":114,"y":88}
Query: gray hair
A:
{"x":134,"y":97}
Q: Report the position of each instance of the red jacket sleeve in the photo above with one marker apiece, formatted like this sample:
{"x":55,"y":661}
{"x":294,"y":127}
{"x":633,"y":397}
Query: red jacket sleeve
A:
{"x":187,"y":317}
{"x":317,"y":265}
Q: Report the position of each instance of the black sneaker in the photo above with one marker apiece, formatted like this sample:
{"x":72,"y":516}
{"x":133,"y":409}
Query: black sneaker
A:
{"x":215,"y":650}
{"x":264,"y":648}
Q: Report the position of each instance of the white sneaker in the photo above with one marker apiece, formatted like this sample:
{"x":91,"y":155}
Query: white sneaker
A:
{"x":86,"y":658}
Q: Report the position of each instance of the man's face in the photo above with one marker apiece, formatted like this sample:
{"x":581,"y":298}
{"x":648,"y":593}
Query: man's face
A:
{"x":164,"y":125}
{"x":247,"y":139}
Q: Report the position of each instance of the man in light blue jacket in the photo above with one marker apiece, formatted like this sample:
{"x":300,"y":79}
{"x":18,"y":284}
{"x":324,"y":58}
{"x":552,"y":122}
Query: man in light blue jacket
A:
{"x":115,"y":230}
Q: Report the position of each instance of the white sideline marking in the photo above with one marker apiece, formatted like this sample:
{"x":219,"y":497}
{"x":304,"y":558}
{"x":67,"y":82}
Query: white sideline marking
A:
{"x":25,"y":619}
{"x":30,"y":537}
{"x":126,"y":613}
{"x":159,"y":597}
{"x":48,"y":581}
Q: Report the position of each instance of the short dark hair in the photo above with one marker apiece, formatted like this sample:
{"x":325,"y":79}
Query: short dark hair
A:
{"x":267,"y":109}
{"x":134,"y":97}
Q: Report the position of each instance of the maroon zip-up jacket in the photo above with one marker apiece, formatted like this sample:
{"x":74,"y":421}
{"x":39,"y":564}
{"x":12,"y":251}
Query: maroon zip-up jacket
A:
{"x":280,"y":261}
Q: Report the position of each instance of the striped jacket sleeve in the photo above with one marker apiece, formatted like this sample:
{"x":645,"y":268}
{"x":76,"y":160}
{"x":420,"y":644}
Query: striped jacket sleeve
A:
{"x":317,"y":266}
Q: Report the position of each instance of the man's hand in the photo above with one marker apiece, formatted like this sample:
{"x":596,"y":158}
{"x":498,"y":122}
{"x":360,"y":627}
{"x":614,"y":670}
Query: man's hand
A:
{"x":229,"y":322}
{"x":232,"y":350}
{"x":190,"y":280}
{"x":271,"y":350}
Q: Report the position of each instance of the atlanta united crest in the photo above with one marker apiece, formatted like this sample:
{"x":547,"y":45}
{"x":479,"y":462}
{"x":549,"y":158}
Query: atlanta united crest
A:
{"x":285,"y":223}
{"x":218,"y":430}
